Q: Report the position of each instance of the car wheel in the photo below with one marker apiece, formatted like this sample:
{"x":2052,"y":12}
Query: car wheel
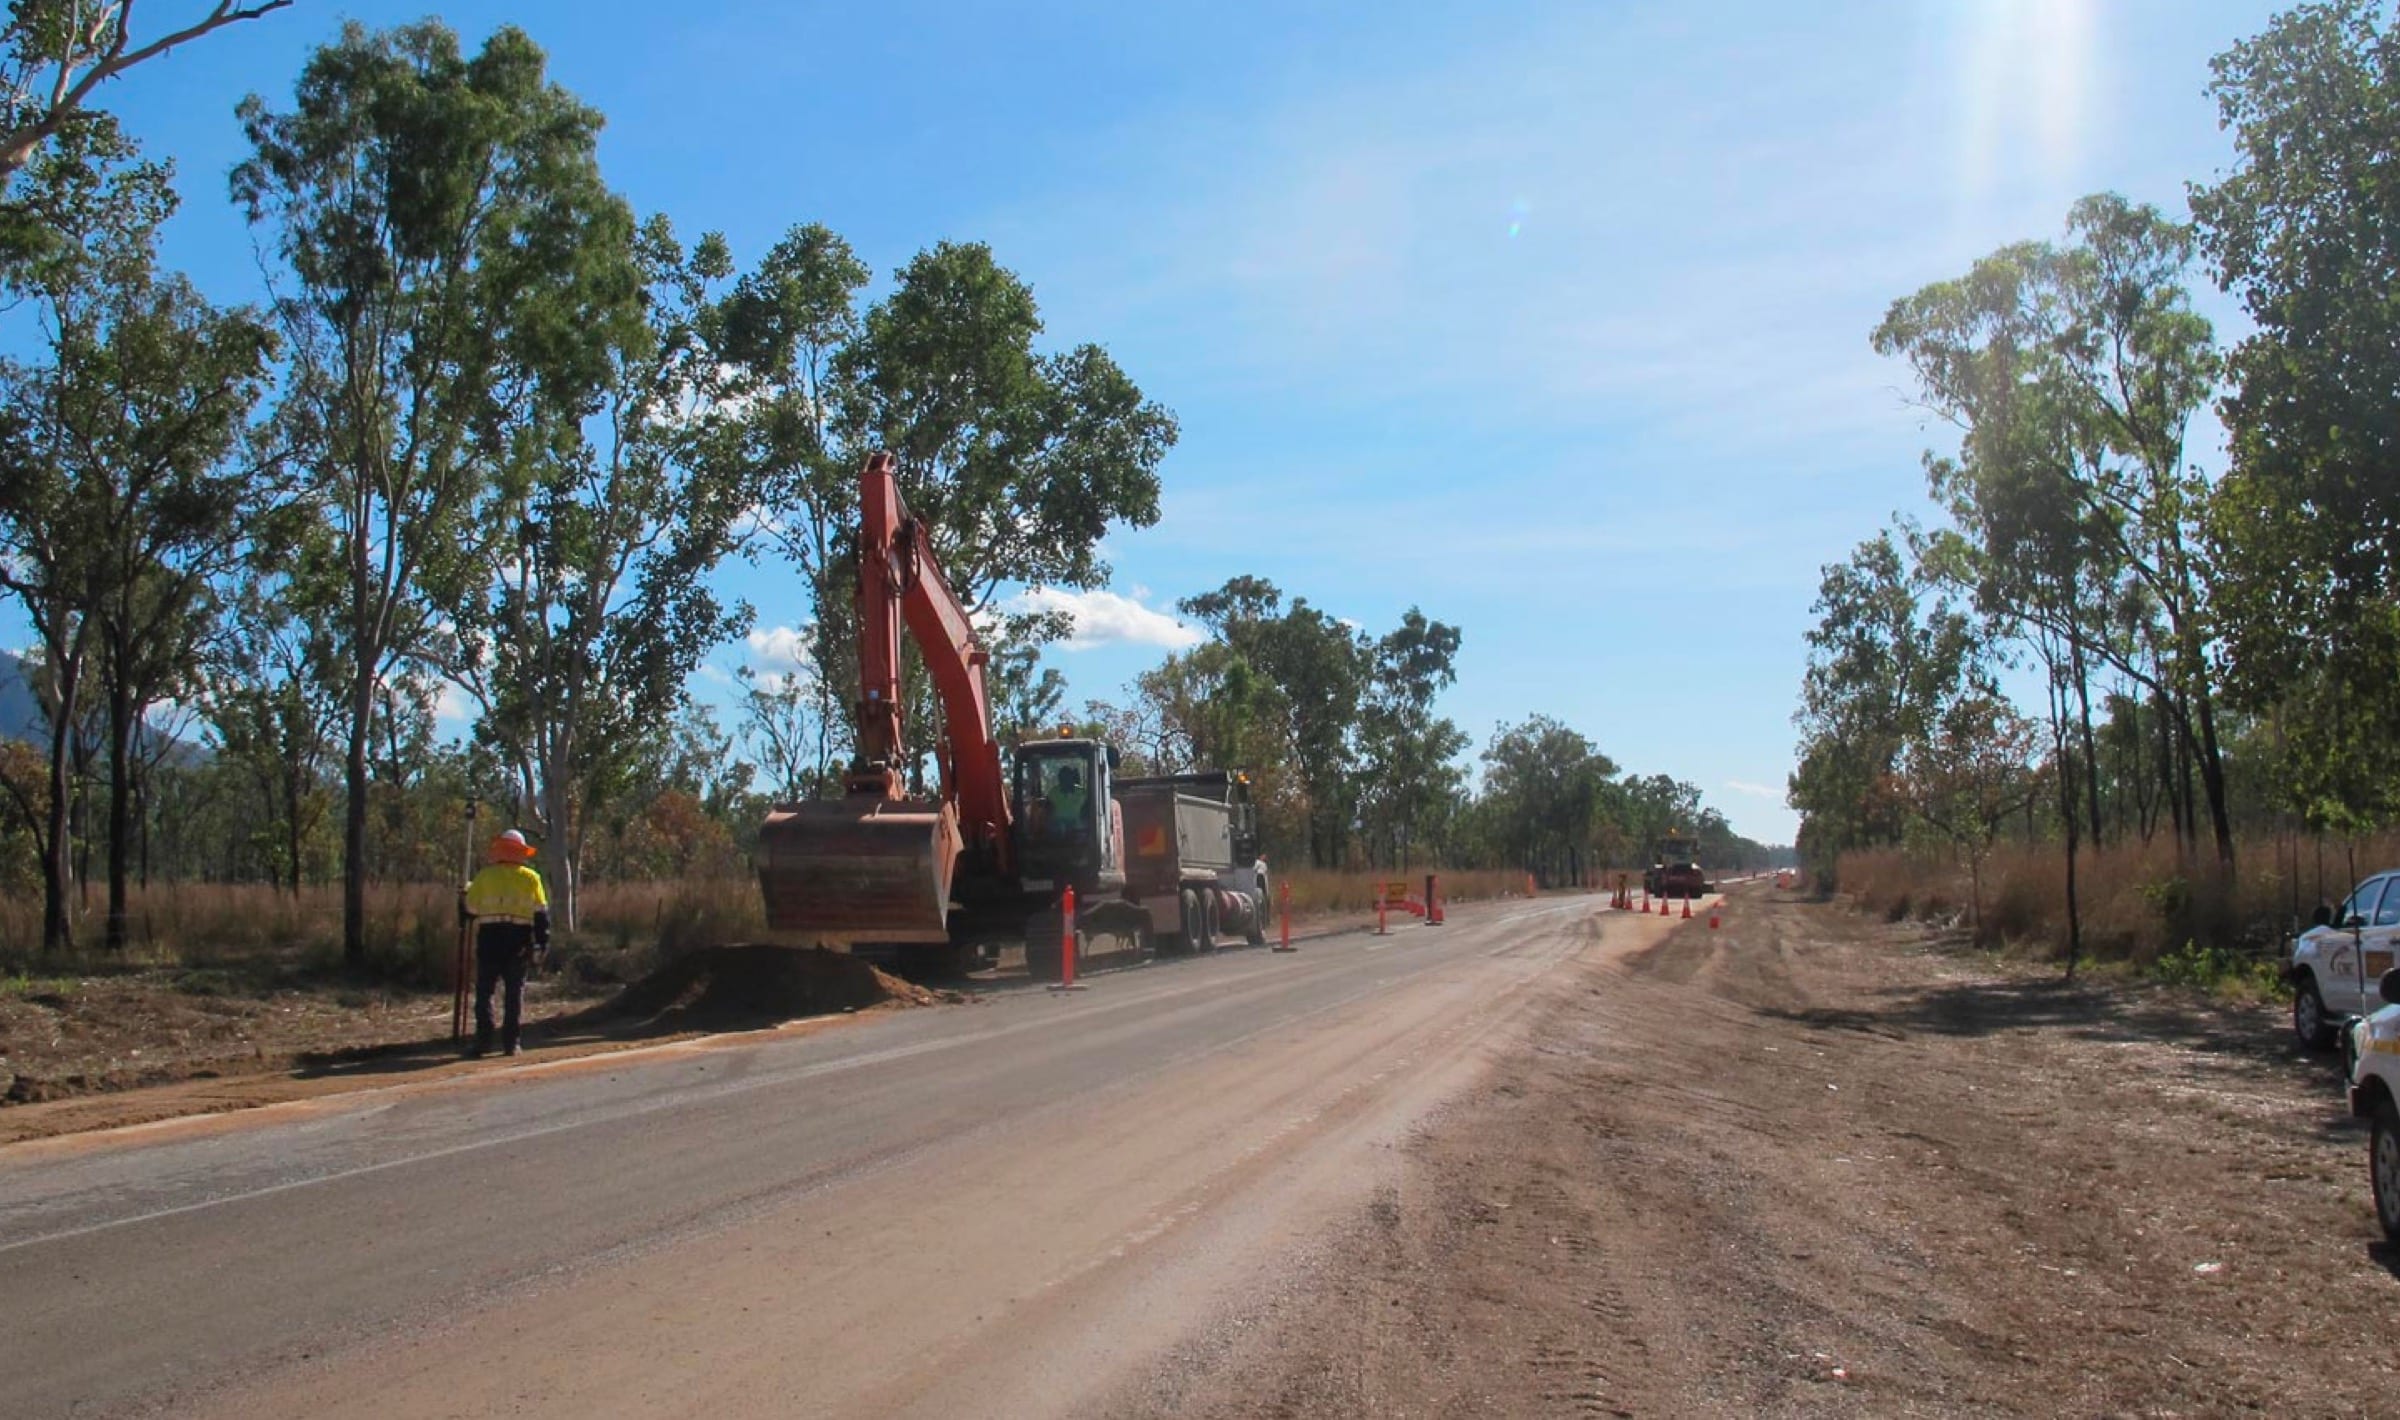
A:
{"x":2308,"y":1016}
{"x":2383,"y":1167}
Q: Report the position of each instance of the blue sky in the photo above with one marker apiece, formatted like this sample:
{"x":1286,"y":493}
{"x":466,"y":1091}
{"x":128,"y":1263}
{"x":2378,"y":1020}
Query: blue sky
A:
{"x":1548,"y":318}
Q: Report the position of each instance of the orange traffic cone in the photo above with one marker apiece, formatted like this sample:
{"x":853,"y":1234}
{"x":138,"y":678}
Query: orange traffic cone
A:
{"x":1687,"y":909}
{"x":1712,"y":919}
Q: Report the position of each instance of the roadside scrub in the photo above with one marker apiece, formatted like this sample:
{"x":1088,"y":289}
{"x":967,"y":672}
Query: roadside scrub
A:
{"x":2178,"y":920}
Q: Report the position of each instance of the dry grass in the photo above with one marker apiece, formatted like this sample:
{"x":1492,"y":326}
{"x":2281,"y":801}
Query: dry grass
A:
{"x":411,"y":928}
{"x":1316,"y":890}
{"x":2139,"y":903}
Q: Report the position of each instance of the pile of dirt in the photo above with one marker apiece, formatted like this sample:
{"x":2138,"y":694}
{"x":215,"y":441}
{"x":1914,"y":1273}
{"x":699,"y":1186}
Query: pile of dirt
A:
{"x":748,"y":986}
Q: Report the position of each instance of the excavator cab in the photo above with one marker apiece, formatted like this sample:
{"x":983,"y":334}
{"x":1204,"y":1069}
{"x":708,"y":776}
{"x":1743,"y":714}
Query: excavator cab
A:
{"x":1066,"y":826}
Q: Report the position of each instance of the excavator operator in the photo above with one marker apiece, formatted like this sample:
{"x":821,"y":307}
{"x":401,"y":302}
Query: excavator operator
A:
{"x":1068,"y":799}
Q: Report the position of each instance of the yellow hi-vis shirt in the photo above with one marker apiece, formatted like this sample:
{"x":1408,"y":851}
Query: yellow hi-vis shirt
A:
{"x":507,"y":892}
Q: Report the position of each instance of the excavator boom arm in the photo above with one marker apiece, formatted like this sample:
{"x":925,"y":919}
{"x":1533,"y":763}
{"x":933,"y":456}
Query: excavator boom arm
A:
{"x":876,"y":866}
{"x":898,"y":570}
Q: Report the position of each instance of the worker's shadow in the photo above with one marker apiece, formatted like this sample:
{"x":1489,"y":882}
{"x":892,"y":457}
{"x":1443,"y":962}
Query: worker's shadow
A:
{"x":579,"y":1028}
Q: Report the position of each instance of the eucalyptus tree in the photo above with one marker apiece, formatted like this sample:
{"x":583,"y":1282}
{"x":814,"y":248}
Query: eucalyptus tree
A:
{"x":584,"y":626}
{"x":274,"y":691}
{"x":1320,"y":670}
{"x":783,"y":326}
{"x":122,"y":496}
{"x":2305,"y":229}
{"x":445,"y":241}
{"x":1406,"y":751}
{"x":1016,"y":462}
{"x":1886,"y":654}
{"x":1544,"y":788}
{"x":2073,"y":374}
{"x":54,"y":54}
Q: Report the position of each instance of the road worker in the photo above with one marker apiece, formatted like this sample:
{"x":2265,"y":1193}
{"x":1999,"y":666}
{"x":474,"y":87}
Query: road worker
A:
{"x":1067,"y":801}
{"x":511,"y":909}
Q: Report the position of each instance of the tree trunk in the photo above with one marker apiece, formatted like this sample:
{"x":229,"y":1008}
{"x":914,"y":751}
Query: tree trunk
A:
{"x":120,"y":806}
{"x":2091,"y":752}
{"x":2178,"y":811}
{"x":558,"y":817}
{"x":2067,"y":815}
{"x":2185,"y":753}
{"x":58,"y":866}
{"x":2212,"y":778}
{"x":291,"y":833}
{"x":354,"y":818}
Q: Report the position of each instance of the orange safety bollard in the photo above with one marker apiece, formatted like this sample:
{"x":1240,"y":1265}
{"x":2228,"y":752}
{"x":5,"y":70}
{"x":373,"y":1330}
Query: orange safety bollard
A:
{"x":1066,"y":943}
{"x":1284,"y":892}
{"x":1379,"y":906}
{"x":1066,"y":940}
{"x":1433,"y":900}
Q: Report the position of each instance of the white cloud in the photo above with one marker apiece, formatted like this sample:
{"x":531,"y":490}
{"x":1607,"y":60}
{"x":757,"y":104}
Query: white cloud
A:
{"x":451,"y":704}
{"x":780,"y":647}
{"x":1755,"y":791}
{"x":1103,"y":618}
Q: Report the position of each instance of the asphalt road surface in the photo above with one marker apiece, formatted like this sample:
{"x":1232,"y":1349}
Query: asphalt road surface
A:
{"x":1003,"y":1208}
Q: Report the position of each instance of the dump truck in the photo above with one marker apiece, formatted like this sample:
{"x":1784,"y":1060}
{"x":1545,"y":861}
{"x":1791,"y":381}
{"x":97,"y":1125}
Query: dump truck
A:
{"x":932,"y":886}
{"x":1192,"y":859}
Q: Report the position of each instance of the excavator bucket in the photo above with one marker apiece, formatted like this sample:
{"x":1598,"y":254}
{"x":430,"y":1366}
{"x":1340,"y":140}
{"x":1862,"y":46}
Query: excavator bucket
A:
{"x":860,"y":869}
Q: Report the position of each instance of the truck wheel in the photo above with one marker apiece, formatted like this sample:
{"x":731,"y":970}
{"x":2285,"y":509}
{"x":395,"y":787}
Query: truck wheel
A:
{"x":2308,"y":1016}
{"x":2383,"y":1167}
{"x":1204,"y":917}
{"x":1043,"y":963}
{"x":1188,"y":913}
{"x":1258,"y":919}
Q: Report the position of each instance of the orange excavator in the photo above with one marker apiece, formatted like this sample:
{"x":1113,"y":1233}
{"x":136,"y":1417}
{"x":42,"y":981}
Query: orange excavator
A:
{"x":929,"y":886}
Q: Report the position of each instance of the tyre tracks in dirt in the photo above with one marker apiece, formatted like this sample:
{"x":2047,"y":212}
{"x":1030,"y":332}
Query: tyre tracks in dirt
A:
{"x":1812,"y":1164}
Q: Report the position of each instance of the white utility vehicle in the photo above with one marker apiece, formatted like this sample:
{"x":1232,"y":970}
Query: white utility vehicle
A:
{"x":2374,"y":1051}
{"x":2335,"y":965}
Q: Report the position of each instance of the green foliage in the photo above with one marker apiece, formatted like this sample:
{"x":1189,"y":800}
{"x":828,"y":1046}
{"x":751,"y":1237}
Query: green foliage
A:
{"x":458,"y":266}
{"x":2220,"y":969}
{"x":2305,"y":229}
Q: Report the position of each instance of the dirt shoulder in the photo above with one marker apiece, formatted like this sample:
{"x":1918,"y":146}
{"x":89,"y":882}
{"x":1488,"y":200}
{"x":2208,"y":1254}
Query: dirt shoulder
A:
{"x":135,"y":1050}
{"x":87,"y":1052}
{"x":1813,"y":1163}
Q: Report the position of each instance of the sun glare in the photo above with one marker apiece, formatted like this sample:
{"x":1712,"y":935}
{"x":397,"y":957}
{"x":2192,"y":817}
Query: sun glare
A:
{"x":2025,"y":70}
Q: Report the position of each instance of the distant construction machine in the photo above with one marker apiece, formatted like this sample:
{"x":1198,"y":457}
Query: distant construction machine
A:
{"x":935,"y":887}
{"x":1675,"y":868}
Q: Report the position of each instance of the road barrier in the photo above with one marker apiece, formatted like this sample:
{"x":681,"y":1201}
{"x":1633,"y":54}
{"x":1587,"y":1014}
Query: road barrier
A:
{"x":1066,"y":943}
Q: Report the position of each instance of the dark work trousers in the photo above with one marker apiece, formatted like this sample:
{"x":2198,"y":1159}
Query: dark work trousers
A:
{"x":502,"y":951}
